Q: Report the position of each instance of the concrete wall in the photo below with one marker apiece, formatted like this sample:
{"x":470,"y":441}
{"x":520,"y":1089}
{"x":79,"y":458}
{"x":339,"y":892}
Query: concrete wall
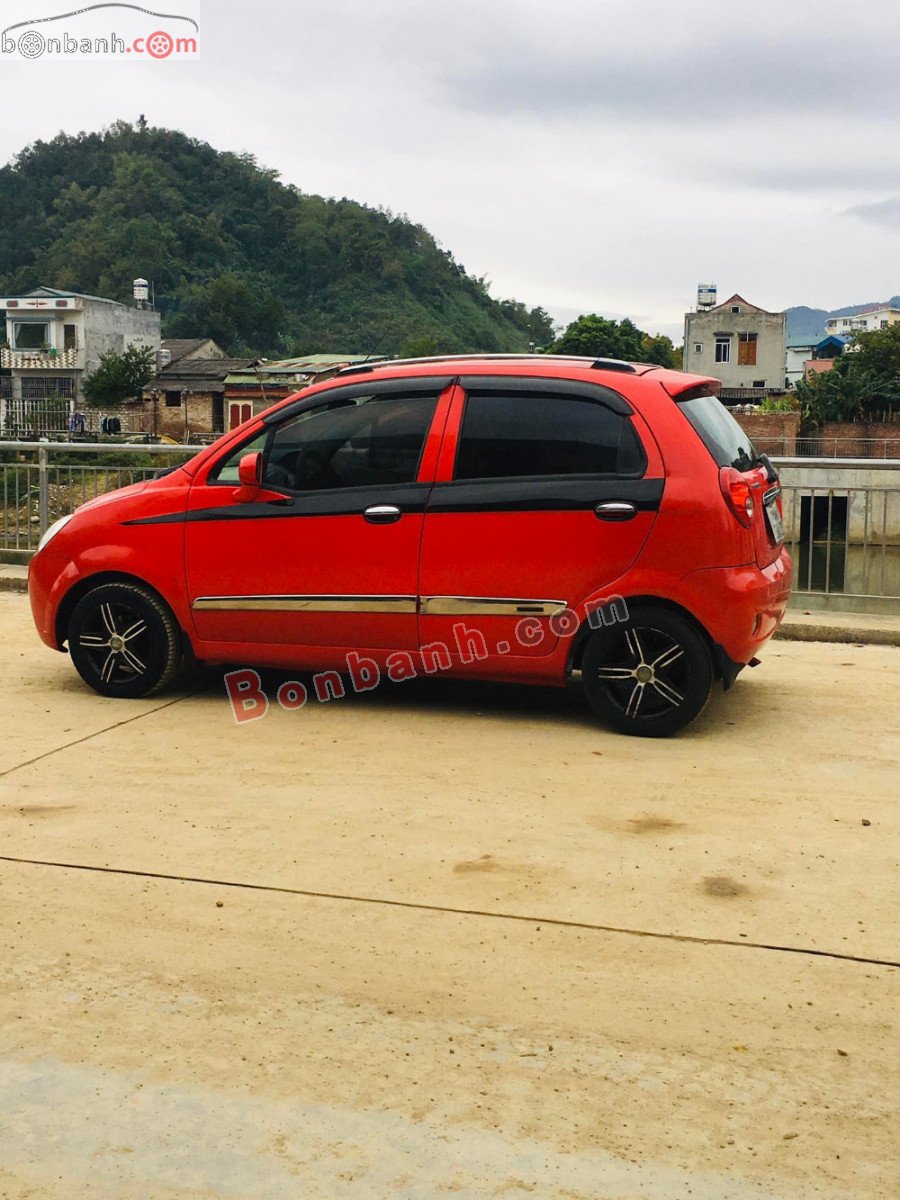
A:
{"x":794,"y":361}
{"x":701,"y":328}
{"x":114,"y":327}
{"x":873,"y":495}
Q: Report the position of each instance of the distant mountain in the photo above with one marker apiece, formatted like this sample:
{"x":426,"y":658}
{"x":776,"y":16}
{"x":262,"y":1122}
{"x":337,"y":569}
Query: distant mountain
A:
{"x":810,"y":322}
{"x":236,"y":255}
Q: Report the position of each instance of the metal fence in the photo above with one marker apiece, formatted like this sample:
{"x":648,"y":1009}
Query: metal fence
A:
{"x":844,"y":533}
{"x":56,"y":418}
{"x":845,"y":540}
{"x":42,"y":481}
{"x":837,"y":447}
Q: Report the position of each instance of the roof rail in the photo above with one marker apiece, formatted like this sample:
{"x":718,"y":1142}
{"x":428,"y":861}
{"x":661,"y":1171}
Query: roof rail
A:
{"x":600,"y":364}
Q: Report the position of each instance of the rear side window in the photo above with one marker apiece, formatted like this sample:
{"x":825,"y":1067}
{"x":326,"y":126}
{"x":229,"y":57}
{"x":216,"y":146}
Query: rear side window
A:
{"x":719,"y":432}
{"x":513,"y":435}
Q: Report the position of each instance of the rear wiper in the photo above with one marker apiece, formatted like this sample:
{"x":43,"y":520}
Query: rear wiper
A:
{"x":763,"y":460}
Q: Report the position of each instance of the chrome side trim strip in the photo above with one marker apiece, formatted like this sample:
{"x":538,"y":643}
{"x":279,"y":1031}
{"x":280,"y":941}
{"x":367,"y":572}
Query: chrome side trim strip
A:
{"x":339,"y":604}
{"x":488,"y":606}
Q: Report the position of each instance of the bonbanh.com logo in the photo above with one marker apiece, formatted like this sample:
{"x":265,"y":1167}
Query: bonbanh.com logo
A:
{"x":65,"y":35}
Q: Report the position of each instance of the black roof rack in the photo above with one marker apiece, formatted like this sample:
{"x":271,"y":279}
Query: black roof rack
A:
{"x":599,"y":364}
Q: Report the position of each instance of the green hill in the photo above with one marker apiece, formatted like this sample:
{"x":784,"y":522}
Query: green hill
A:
{"x":235,"y":254}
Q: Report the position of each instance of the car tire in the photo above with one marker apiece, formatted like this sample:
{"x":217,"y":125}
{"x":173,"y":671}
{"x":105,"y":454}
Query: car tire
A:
{"x":124,"y":641}
{"x":648,"y":676}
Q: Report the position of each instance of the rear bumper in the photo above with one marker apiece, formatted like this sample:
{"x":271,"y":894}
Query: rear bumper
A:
{"x":740,"y":607}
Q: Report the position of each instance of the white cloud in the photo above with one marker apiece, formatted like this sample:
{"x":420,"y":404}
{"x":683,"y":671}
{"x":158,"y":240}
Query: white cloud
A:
{"x":586,"y":156}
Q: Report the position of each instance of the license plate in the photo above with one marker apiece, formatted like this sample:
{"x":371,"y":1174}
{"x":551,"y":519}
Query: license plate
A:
{"x":773,"y":516}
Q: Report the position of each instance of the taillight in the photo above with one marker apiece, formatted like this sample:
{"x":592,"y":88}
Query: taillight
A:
{"x":738,"y":495}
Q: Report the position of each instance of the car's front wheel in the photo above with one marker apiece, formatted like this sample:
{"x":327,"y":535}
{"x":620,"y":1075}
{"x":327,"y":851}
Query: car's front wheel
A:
{"x":650,"y":675}
{"x":124,"y":640}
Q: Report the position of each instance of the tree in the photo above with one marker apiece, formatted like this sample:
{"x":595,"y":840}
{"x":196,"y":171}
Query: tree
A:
{"x":601,"y":337}
{"x":878,"y":352}
{"x":233,"y":313}
{"x":120,"y":376}
{"x":425,"y":346}
{"x":863,"y":384}
{"x":659,"y":350}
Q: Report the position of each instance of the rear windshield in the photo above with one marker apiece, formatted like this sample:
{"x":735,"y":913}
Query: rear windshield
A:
{"x":719,"y":432}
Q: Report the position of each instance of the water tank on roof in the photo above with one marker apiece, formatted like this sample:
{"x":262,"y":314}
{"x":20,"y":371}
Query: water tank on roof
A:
{"x":706,"y":295}
{"x":141,"y":291}
{"x":163,"y":358}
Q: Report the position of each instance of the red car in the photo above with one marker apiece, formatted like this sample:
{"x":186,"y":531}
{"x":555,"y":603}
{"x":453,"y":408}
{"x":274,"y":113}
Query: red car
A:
{"x":518,"y":518}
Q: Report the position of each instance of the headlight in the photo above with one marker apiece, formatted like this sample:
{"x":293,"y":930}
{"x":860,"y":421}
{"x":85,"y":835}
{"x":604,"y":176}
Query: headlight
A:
{"x":54,"y":530}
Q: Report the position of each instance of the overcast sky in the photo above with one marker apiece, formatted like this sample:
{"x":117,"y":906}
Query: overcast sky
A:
{"x":585,"y":155}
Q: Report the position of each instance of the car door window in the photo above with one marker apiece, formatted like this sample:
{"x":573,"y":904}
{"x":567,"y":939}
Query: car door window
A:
{"x":509,"y":435}
{"x":351,"y":442}
{"x":226,"y":470}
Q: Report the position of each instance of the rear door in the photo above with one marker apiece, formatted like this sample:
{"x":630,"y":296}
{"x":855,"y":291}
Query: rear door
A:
{"x":543,"y":498}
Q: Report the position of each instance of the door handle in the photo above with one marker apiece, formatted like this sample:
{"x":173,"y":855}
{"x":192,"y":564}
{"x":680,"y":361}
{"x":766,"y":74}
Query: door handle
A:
{"x":382,"y":514}
{"x":615,"y":510}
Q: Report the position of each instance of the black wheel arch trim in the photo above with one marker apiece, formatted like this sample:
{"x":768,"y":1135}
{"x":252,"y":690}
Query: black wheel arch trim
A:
{"x":726,"y":668}
{"x":81,"y":587}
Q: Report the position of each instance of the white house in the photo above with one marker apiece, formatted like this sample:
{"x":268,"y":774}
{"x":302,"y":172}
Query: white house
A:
{"x":876,"y":317}
{"x":54,"y":338}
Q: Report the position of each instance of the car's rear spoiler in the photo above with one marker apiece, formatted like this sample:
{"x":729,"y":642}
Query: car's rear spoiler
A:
{"x":683,"y":387}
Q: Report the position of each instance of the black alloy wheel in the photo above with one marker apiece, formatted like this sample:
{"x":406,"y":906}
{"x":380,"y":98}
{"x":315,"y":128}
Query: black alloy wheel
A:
{"x":124,"y":640}
{"x":649,"y":676}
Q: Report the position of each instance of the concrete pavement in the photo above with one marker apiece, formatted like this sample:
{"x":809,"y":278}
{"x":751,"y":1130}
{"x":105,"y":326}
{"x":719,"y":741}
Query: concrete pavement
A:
{"x":443,"y":980}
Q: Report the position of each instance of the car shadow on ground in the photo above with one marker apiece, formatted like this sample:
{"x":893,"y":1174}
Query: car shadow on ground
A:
{"x":441,"y":696}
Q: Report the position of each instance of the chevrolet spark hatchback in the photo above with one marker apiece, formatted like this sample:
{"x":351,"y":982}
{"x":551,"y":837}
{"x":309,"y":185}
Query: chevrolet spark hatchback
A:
{"x":512,"y":518}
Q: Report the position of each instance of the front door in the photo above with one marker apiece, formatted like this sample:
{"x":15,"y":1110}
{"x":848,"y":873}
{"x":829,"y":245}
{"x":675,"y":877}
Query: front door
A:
{"x":542,"y":500}
{"x":329,"y":555}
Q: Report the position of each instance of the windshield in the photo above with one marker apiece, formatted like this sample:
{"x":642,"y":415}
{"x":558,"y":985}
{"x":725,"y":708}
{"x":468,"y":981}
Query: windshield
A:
{"x":720,"y":432}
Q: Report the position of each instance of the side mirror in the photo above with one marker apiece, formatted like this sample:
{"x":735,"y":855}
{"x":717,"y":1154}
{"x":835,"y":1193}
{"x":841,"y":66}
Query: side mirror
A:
{"x":250,"y":472}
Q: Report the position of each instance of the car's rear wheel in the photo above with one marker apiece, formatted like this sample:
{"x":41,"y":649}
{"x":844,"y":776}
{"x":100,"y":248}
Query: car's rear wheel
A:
{"x":124,"y":640}
{"x":650,"y":675}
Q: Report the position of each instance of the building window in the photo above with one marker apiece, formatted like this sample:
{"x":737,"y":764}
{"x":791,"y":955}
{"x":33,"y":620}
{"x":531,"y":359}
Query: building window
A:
{"x":173,"y":399}
{"x":69,"y":342}
{"x":698,"y":347}
{"x":40,"y":387}
{"x":735,"y":308}
{"x":747,"y":350}
{"x":30,"y":335}
{"x":723,"y":349}
{"x":885,"y":324}
{"x":759,"y":383}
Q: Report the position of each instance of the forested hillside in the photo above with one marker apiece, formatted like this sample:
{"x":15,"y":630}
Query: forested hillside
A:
{"x":235,"y":254}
